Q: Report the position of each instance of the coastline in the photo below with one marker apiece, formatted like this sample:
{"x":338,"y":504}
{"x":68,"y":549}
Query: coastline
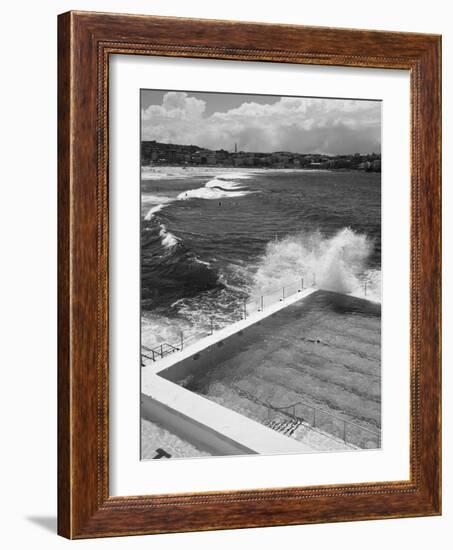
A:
{"x":168,"y":171}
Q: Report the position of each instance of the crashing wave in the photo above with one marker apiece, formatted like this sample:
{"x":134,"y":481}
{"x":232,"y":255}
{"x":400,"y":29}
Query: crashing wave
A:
{"x":337,"y":263}
{"x":168,"y":239}
{"x":149,"y":216}
{"x":210,"y":193}
{"x":222,"y":186}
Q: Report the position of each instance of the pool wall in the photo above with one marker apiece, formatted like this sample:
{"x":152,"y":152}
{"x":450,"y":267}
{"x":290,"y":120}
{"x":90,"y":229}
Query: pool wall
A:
{"x":207,"y":358}
{"x":216,"y":347}
{"x":198,"y":434}
{"x":207,"y":425}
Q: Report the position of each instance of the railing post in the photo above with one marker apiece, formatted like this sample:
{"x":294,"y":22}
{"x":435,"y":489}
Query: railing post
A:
{"x":262,"y":303}
{"x":365,"y":288}
{"x":344,"y":431}
{"x":212,"y":326}
{"x":182,"y":340}
{"x":314,"y":418}
{"x":162,"y":351}
{"x":283,"y":293}
{"x":245,"y":308}
{"x":302,"y":281}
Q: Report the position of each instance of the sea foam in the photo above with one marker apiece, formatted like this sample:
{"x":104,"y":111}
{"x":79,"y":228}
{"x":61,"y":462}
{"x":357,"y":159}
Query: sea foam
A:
{"x":168,"y":239}
{"x":150,"y":214}
{"x":222,"y":186}
{"x":337,"y":263}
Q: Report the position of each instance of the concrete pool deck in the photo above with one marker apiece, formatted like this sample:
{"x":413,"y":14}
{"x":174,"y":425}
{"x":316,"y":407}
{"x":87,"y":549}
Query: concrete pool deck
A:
{"x":319,"y":346}
{"x":202,"y":422}
{"x":210,"y":427}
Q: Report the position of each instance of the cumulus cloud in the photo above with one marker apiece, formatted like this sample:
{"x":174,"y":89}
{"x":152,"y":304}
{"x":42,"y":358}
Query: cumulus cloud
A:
{"x":304,"y":125}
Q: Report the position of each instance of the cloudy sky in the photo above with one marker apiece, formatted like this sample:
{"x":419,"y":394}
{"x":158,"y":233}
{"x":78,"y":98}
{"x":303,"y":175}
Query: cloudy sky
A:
{"x":261,"y":123}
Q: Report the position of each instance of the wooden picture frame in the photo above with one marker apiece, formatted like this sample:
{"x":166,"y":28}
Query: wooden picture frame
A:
{"x":85,"y":42}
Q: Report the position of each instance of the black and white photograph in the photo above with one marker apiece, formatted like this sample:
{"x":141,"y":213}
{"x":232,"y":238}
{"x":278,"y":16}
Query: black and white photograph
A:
{"x":260,"y":274}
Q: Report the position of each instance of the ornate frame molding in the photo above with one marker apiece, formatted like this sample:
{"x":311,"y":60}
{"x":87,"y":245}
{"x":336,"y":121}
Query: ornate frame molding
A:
{"x":86,"y":40}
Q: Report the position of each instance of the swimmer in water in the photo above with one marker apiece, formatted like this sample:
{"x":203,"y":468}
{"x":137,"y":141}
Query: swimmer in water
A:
{"x":313,"y":340}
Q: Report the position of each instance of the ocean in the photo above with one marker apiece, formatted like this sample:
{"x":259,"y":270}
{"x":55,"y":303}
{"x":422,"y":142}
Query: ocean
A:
{"x":214,"y":239}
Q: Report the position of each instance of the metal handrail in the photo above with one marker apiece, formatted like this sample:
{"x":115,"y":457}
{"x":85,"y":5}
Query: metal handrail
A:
{"x":282,"y":409}
{"x":298,"y":285}
{"x":313,"y":407}
{"x":160,"y":351}
{"x":246,"y":306}
{"x":345,"y":422}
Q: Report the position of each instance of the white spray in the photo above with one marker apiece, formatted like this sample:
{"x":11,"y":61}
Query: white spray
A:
{"x":335,"y":263}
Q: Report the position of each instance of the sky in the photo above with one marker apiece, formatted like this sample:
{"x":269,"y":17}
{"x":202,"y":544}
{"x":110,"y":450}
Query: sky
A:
{"x":261,"y":123}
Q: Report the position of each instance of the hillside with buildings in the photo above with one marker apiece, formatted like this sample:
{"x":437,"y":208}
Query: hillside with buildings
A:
{"x":156,"y":153}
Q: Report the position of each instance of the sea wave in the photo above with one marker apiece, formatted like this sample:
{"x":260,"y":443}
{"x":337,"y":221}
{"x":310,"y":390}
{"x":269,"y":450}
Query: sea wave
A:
{"x":210,"y":193}
{"x":225,"y":184}
{"x":168,"y":239}
{"x":157,"y":329}
{"x":150,"y":198}
{"x":157,"y":203}
{"x":222,"y":186}
{"x":337,"y":263}
{"x":152,"y":211}
{"x":225,"y":176}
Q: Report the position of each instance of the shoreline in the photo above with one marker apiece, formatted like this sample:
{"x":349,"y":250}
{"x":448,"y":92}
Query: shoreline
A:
{"x":191,"y":170}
